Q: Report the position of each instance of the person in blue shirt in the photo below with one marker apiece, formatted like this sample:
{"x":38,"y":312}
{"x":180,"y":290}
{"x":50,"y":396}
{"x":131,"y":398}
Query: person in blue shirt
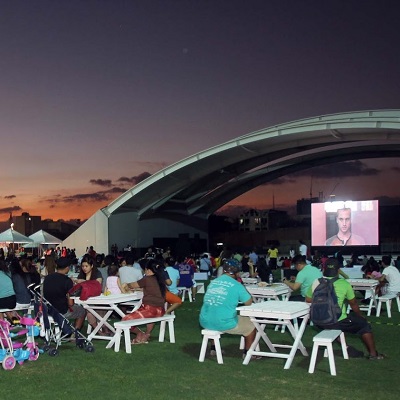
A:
{"x":8,"y":300}
{"x":219,"y":313}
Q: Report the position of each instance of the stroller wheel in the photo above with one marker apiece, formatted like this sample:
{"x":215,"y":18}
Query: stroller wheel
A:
{"x":53,"y":352}
{"x":89,"y":348}
{"x":46,"y":348}
{"x":9,"y":362}
{"x":34,"y":354}
{"x":80,"y":344}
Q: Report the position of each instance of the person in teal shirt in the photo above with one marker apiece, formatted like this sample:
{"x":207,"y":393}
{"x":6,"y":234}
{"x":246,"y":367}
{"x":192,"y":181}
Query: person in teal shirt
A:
{"x":219,"y":313}
{"x":8,"y":299}
{"x":306,"y":275}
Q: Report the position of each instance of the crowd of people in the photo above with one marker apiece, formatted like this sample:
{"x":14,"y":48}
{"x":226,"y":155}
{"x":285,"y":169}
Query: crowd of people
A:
{"x":159,"y":275}
{"x":226,"y":292}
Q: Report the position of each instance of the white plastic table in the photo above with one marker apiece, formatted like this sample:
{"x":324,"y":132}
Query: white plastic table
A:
{"x":277,"y":313}
{"x":109,"y":304}
{"x":369,"y":285}
{"x":276,"y":291}
{"x":249,"y":281}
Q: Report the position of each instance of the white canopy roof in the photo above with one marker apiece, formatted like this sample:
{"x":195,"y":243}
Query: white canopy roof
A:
{"x":43,"y":237}
{"x":12,"y":236}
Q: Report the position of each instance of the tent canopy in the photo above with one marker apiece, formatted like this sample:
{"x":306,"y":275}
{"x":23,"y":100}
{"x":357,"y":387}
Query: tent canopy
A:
{"x":43,"y":237}
{"x":12,"y":236}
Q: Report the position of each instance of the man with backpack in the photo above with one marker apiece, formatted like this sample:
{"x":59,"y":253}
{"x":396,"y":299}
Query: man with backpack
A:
{"x":328,"y":309}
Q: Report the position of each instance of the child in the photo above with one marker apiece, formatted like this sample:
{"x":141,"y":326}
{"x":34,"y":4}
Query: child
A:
{"x":113,"y":283}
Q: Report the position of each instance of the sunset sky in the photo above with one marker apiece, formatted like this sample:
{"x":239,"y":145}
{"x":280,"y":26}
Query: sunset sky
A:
{"x":97,"y":95}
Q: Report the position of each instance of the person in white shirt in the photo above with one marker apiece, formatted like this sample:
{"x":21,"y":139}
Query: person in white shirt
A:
{"x":128,"y":273}
{"x":390,"y":276}
{"x":302,"y":248}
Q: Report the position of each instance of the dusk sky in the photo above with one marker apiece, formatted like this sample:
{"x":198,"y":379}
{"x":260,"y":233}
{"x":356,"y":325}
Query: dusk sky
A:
{"x":97,"y":95}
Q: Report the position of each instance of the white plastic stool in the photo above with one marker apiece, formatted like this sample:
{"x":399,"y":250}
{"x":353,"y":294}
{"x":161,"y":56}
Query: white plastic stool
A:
{"x":326,"y":338}
{"x":211,"y":335}
{"x":185,"y":290}
{"x":387,"y":298}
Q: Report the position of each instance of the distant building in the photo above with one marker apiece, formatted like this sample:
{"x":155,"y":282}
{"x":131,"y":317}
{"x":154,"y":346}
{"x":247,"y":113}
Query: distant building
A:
{"x":303,"y":207}
{"x":27,"y":224}
{"x":60,"y":228}
{"x":262,"y":220}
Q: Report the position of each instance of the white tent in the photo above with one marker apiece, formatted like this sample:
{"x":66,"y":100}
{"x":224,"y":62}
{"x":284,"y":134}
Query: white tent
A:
{"x":42,"y":240}
{"x":12,"y":236}
{"x":43,"y":237}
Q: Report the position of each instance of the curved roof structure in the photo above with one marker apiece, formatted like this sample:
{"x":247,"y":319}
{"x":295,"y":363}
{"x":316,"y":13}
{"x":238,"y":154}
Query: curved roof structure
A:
{"x":202,"y":183}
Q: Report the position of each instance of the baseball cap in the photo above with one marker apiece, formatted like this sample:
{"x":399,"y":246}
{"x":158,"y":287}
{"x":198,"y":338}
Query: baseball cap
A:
{"x":331,"y":267}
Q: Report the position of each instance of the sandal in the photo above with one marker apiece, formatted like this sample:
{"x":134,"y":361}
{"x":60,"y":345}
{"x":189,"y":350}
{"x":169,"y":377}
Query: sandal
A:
{"x":377,"y":357}
{"x":141,"y":338}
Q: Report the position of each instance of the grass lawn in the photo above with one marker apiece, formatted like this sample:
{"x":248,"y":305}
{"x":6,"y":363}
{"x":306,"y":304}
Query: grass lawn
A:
{"x":172,"y":371}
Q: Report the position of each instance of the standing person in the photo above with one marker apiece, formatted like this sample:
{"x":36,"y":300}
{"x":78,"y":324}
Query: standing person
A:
{"x":263,"y":269}
{"x":245,"y":263}
{"x":154,"y":288}
{"x":307,"y":274}
{"x":354,"y":323}
{"x":219,"y":313}
{"x":390,"y":276}
{"x":92,"y":252}
{"x":302,"y":248}
{"x":344,"y":236}
{"x":205,"y":264}
{"x":273,"y":256}
{"x":253,"y":257}
{"x":225,"y":253}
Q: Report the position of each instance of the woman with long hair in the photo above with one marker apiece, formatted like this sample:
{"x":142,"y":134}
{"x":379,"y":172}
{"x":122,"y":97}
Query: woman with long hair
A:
{"x":154,"y":288}
{"x":89,"y":272}
{"x":7,"y":293}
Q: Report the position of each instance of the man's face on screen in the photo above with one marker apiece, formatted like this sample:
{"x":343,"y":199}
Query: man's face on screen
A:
{"x":343,"y":220}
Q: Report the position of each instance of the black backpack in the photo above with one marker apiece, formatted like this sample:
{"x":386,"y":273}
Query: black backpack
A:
{"x":325,"y":309}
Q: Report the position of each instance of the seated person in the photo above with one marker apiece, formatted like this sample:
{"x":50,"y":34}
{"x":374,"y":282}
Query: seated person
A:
{"x":128,"y":271}
{"x":89,"y":272}
{"x":390,"y":276}
{"x":186,"y":275}
{"x":354,"y":323}
{"x":55,"y":291}
{"x":113,"y":282}
{"x":305,"y":277}
{"x":154,"y":288}
{"x":172,"y":282}
{"x":219,"y":313}
{"x":8,"y":300}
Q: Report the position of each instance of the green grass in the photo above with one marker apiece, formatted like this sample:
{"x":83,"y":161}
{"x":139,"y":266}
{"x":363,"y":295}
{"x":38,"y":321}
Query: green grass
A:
{"x":172,"y":371}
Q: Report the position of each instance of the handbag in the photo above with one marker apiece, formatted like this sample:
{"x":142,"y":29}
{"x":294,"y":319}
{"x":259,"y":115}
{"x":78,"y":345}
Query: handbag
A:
{"x":86,"y":289}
